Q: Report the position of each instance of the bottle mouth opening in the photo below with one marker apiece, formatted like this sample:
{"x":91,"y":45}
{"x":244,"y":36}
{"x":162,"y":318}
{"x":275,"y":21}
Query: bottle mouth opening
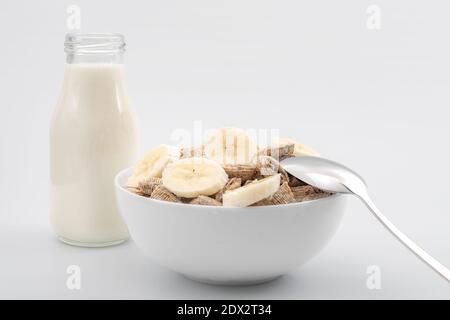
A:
{"x":94,"y":43}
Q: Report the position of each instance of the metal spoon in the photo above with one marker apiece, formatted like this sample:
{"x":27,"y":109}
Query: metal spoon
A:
{"x":334,"y":177}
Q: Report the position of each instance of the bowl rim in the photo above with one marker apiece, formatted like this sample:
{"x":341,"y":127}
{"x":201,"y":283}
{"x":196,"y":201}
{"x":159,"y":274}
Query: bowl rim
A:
{"x":294,"y":204}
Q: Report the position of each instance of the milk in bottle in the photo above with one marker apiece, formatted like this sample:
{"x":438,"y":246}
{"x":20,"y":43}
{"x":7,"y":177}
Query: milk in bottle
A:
{"x":93,"y":135}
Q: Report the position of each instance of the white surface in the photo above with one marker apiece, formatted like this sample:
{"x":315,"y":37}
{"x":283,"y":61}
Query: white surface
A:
{"x":34,"y":264}
{"x":375,"y":100}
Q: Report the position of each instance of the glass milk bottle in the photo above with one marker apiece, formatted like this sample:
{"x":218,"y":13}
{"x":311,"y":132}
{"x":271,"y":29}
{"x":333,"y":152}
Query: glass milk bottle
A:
{"x":93,"y":135}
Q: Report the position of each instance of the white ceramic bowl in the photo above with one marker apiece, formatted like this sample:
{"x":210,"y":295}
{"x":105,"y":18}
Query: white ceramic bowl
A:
{"x":229,"y":245}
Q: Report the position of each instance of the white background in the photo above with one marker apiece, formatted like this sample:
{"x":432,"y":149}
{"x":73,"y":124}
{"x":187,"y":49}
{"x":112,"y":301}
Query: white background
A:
{"x":376,"y":100}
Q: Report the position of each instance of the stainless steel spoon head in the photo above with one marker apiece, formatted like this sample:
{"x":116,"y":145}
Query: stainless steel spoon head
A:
{"x":334,"y":177}
{"x":325,"y":174}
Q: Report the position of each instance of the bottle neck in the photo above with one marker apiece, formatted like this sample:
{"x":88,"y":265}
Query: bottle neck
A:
{"x":73,"y":58}
{"x":98,"y":48}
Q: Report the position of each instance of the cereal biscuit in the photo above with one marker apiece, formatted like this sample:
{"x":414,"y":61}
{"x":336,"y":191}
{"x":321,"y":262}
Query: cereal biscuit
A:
{"x":205,"y":201}
{"x":161,"y":193}
{"x":284,"y":195}
{"x":269,"y":166}
{"x":278,"y":152}
{"x":233,"y":183}
{"x":244,"y":171}
{"x":147,"y":186}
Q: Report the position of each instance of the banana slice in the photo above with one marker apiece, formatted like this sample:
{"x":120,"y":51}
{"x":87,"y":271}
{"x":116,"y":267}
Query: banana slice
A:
{"x":191,"y":177}
{"x":299,"y":149}
{"x":230,"y":146}
{"x":252,"y":192}
{"x":152,"y":165}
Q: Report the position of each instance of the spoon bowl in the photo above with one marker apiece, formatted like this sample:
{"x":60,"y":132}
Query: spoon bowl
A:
{"x":325,"y":174}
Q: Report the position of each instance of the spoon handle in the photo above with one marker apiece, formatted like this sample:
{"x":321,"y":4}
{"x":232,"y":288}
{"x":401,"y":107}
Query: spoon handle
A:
{"x":418,"y":251}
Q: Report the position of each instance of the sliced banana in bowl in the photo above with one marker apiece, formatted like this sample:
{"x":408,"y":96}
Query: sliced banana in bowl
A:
{"x":193,"y":177}
{"x":207,"y":174}
{"x":252,"y":193}
{"x":299,"y":148}
{"x":230,"y":146}
{"x":153,"y":164}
